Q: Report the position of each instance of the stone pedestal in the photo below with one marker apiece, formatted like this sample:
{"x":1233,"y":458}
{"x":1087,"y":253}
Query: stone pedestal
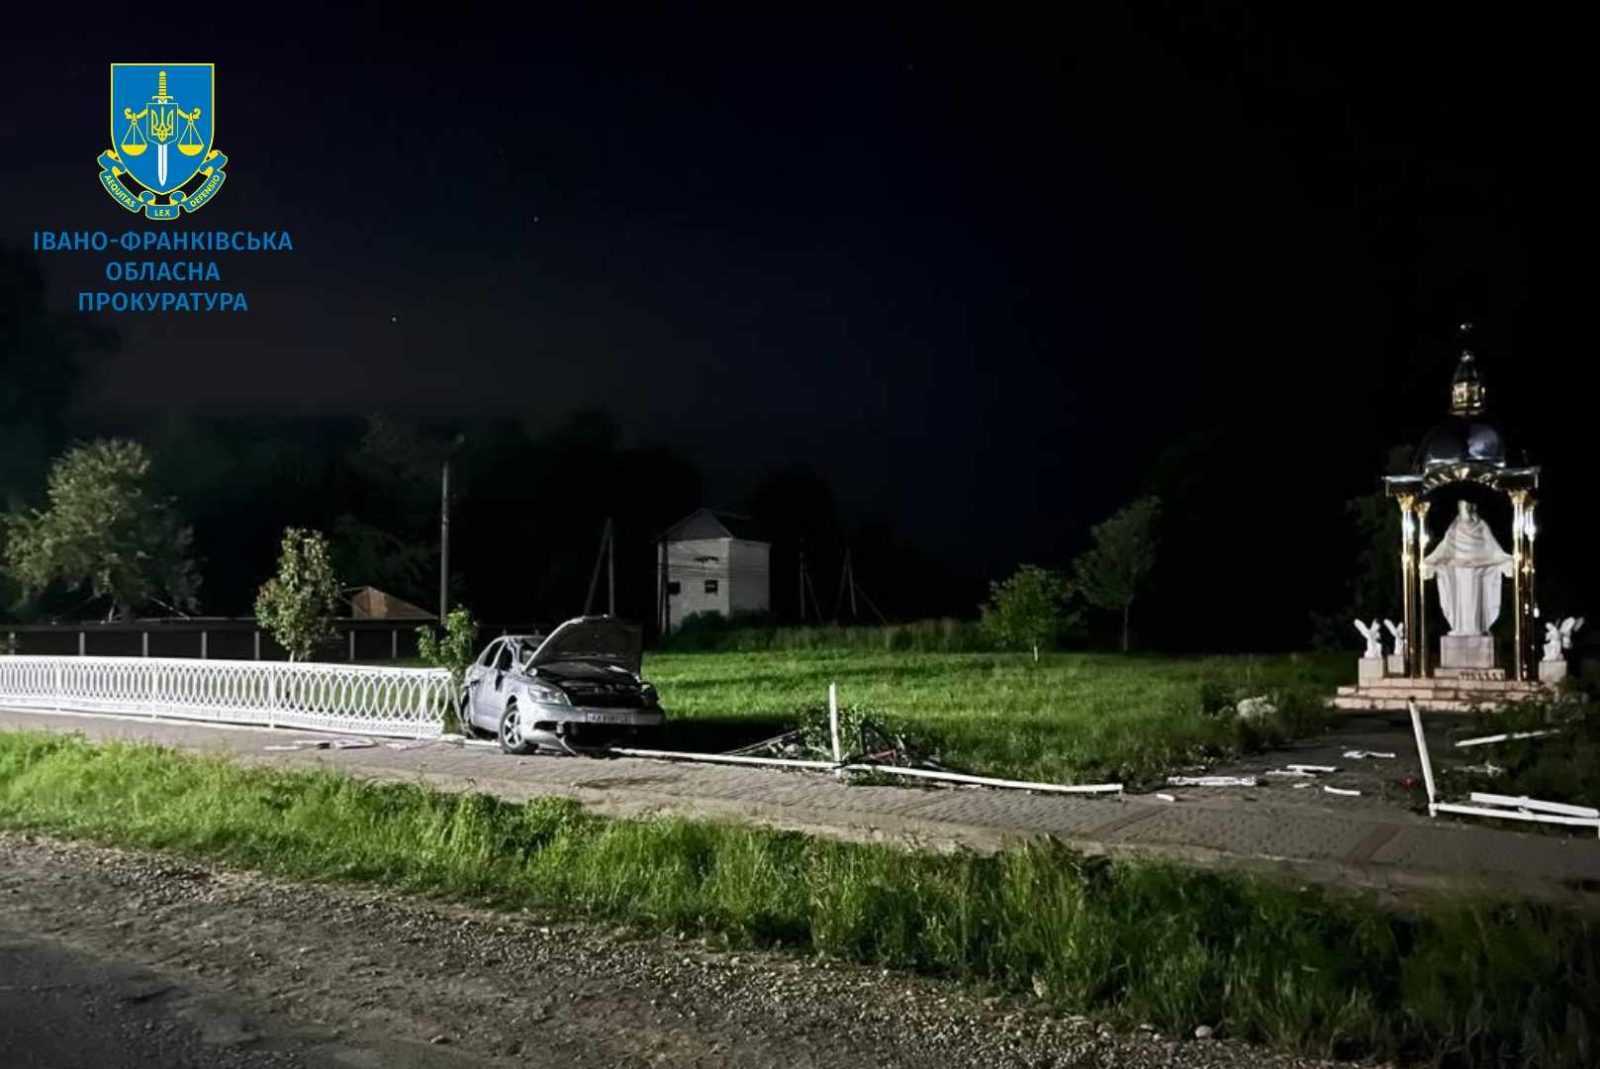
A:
{"x":1466,"y":651}
{"x":1396,"y":663}
{"x":1552,"y":671}
{"x":1369,"y":669}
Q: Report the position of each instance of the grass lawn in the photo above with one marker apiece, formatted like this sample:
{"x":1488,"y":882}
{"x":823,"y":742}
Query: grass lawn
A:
{"x":1070,"y":717}
{"x":1468,"y":983}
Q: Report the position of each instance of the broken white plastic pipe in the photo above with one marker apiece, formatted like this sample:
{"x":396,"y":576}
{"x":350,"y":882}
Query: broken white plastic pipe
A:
{"x":722,"y":758}
{"x":833,"y":722}
{"x":986,"y":781}
{"x":1484,"y":740}
{"x":1524,"y":802}
{"x":1211,"y":781}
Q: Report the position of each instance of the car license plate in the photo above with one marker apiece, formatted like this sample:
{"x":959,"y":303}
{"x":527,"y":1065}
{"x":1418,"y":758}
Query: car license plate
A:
{"x":609,"y":718}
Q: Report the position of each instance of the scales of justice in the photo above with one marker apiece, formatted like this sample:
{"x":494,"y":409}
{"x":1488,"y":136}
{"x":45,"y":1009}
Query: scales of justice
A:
{"x":156,"y":124}
{"x":1462,"y":463}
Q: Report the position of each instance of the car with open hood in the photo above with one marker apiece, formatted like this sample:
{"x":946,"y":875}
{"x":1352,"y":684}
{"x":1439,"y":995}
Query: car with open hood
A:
{"x":577,"y":689}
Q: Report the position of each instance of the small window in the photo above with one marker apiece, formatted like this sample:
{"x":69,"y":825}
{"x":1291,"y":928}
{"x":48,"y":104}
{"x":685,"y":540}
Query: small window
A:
{"x":711,"y":586}
{"x":673,"y":586}
{"x":502,"y":663}
{"x":488,"y":655}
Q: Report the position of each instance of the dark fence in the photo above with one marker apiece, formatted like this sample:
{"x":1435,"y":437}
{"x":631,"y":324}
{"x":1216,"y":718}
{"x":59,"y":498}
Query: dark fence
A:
{"x":230,"y":638}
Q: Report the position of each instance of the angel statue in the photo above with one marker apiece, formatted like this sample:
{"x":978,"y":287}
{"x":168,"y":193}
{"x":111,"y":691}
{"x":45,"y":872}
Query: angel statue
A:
{"x":1558,"y":637}
{"x":1398,"y":633}
{"x":1569,"y":627}
{"x":1552,"y":642}
{"x":1373,"y":633}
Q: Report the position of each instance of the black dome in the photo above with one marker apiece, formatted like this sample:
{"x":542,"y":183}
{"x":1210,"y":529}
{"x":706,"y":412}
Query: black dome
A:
{"x":1459,"y":440}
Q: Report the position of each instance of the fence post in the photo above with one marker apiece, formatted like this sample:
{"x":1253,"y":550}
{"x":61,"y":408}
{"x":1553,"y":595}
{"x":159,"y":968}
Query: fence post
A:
{"x":82,"y":643}
{"x":144,"y":643}
{"x":394,"y":644}
{"x":256,"y":637}
{"x":203,"y":645}
{"x":833,"y":722}
{"x":272,"y":690}
{"x":352,"y":657}
{"x":153,"y":671}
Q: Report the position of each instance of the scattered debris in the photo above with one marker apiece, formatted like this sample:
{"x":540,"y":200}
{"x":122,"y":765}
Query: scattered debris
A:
{"x":1502,"y":807}
{"x":1349,"y":792}
{"x":1512,"y":736}
{"x":1285,"y":772}
{"x":1166,"y":797}
{"x":1300,"y":786}
{"x":1211,"y":781}
{"x":1526,"y":803}
{"x":1204,"y":1031}
{"x":1257,"y":708}
{"x":1360,"y":755}
{"x":325,"y":744}
{"x":1487,"y":769}
{"x":1311,"y":768}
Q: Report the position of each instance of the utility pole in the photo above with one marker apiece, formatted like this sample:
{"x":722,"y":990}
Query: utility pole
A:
{"x":444,"y":542}
{"x":444,"y":529}
{"x":662,"y":597}
{"x":802,"y":577}
{"x":607,"y":554}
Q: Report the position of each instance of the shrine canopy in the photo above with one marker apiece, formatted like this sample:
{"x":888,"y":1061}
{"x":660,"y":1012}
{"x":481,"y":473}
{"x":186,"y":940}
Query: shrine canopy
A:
{"x":1466,"y":447}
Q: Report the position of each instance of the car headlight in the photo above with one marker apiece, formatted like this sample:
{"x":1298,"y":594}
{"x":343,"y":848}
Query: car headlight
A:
{"x":548,"y":695}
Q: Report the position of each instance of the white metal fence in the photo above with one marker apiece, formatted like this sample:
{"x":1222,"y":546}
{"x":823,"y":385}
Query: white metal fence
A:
{"x":327,"y":697}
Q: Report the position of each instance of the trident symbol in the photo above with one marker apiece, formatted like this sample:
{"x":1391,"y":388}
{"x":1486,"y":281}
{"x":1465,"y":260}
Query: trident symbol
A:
{"x":160,"y":117}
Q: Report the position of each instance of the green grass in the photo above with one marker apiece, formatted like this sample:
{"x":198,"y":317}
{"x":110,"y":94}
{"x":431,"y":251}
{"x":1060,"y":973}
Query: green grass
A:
{"x":1070,"y":717}
{"x":1306,"y":969}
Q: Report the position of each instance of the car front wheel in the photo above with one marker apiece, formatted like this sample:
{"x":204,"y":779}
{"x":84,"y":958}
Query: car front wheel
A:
{"x":512,"y":737}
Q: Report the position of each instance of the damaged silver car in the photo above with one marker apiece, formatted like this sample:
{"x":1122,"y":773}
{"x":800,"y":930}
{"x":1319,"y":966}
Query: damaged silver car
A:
{"x":579,"y":689}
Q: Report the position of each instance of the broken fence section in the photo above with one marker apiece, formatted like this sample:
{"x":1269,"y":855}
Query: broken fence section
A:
{"x":1499,"y":806}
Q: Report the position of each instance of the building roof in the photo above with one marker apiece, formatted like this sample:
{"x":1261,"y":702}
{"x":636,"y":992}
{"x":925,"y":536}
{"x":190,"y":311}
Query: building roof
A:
{"x":712,"y":523}
{"x":370,"y":603}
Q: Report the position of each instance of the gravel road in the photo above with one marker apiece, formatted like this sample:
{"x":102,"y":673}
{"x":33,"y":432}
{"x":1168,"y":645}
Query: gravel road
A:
{"x":125,"y":959}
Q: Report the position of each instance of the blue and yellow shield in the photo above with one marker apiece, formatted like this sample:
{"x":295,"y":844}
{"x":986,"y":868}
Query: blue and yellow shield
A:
{"x":162,"y":119}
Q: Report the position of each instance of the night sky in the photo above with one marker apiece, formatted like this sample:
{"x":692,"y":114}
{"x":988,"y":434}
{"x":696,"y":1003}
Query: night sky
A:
{"x":982,"y":275}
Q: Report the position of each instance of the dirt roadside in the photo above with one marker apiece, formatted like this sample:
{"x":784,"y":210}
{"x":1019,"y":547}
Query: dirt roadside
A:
{"x":234,"y":969}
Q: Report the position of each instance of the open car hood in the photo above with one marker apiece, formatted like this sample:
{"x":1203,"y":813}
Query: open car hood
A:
{"x":592,"y":638}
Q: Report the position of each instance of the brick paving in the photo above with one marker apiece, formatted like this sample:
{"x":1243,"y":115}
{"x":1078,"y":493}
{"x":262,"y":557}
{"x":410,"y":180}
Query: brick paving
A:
{"x":1305,"y":834}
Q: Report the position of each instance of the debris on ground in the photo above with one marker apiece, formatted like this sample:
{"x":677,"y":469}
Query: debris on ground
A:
{"x":1361,"y":755}
{"x":1211,"y":781}
{"x":1510,"y":736}
{"x":1257,"y":708}
{"x":1348,"y":791}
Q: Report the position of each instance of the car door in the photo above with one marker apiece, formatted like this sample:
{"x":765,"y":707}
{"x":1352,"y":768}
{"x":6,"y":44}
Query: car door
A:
{"x":478,"y":677}
{"x":496,"y":682}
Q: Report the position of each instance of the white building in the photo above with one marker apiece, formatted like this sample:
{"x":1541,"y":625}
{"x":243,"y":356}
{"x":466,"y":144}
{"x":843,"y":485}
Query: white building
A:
{"x":711,"y":562}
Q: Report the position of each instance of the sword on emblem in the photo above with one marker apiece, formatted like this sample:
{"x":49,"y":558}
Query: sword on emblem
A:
{"x":160,"y":116}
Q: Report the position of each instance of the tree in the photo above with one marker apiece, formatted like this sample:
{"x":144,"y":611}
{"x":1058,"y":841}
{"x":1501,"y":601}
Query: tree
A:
{"x":1026,"y":611}
{"x":104,"y":530}
{"x":454,"y":651}
{"x":298,"y":605}
{"x":1113,"y":571}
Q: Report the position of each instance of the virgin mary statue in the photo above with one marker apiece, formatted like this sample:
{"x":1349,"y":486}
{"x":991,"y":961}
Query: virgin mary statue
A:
{"x":1468,"y":565}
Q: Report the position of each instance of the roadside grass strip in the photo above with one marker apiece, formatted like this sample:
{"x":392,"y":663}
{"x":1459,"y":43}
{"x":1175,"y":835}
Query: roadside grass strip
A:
{"x":1460,"y":981}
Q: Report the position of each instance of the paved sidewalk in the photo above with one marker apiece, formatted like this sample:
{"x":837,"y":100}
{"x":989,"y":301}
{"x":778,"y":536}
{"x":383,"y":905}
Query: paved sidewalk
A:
{"x":1318,"y":839}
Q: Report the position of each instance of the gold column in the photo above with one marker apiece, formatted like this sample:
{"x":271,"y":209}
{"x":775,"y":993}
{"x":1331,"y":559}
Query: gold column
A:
{"x":1408,"y":578}
{"x":1517,"y":498}
{"x":1425,"y":668}
{"x":1523,"y":564}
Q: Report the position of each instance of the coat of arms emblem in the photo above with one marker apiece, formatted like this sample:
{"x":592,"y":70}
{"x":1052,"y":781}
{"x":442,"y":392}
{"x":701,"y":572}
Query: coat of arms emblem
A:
{"x":163,"y":116}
